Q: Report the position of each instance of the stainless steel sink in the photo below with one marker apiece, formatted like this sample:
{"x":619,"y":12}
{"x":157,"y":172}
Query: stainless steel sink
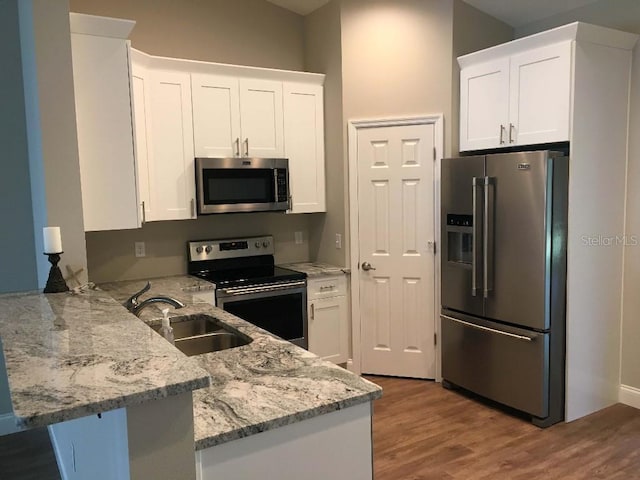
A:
{"x":212,"y":342}
{"x":200,"y":333}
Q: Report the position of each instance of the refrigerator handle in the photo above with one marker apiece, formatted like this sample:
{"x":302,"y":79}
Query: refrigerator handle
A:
{"x":476,"y":244}
{"x":488,"y":235}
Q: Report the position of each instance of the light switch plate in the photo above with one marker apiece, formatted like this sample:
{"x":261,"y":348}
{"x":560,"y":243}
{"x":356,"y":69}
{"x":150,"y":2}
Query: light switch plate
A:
{"x":338,"y":241}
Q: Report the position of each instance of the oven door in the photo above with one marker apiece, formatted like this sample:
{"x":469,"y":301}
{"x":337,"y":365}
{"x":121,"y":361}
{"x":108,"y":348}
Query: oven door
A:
{"x":280,"y":309}
{"x":226,"y":185}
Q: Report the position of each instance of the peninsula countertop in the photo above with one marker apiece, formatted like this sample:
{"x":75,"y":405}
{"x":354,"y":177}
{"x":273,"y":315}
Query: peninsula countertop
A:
{"x":70,"y":355}
{"x":264,"y":385}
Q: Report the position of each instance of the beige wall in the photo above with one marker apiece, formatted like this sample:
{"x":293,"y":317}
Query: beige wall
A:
{"x":622,"y":15}
{"x":247,"y":32}
{"x":111,"y":254}
{"x":323,"y":54}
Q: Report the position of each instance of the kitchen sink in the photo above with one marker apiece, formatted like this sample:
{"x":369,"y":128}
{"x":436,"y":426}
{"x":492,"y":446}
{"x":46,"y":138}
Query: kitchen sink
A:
{"x":200,"y":333}
{"x":212,"y":342}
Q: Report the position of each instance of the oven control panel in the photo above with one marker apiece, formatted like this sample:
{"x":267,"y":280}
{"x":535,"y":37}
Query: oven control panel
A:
{"x":230,"y":248}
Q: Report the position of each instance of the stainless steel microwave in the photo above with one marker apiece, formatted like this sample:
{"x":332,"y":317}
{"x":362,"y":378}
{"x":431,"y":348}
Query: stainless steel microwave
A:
{"x":226,"y":185}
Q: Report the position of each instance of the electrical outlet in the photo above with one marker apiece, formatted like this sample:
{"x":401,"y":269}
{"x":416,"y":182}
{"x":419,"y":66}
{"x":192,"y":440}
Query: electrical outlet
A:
{"x":338,"y":241}
{"x":140,"y":249}
{"x":298,"y":237}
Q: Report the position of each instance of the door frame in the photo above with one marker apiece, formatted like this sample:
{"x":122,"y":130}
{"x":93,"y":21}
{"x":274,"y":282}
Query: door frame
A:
{"x":354,"y":126}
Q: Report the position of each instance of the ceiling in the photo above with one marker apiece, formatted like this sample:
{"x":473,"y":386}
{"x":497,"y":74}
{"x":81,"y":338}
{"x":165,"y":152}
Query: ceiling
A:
{"x":513,"y":12}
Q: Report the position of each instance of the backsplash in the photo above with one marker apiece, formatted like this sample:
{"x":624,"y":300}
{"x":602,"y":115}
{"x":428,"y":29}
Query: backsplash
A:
{"x":111,"y":256}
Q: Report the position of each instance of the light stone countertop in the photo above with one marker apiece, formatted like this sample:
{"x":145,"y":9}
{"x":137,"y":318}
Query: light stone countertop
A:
{"x":71,"y":355}
{"x":316,"y":269}
{"x":264,"y":385}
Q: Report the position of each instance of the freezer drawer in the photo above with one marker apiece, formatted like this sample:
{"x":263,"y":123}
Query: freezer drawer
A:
{"x":505,"y":364}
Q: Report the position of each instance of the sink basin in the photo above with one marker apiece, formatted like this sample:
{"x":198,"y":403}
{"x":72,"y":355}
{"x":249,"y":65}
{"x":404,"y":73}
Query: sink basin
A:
{"x":212,"y":342}
{"x":192,"y":325}
{"x":200,"y":333}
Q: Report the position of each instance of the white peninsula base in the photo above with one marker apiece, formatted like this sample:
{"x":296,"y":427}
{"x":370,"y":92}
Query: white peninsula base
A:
{"x":334,"y":446}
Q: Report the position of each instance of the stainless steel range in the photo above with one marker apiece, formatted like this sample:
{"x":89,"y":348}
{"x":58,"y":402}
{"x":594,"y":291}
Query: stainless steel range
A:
{"x":249,"y":284}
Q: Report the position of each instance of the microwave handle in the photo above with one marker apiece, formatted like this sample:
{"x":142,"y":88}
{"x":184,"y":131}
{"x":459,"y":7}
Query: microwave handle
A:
{"x":275,"y":184}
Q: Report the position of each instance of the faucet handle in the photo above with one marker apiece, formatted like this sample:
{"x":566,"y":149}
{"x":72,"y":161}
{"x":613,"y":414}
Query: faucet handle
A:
{"x":132,"y":301}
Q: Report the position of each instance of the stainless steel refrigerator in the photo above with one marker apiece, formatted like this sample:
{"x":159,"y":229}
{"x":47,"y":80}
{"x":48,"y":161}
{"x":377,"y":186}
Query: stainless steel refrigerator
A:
{"x":504,"y":230}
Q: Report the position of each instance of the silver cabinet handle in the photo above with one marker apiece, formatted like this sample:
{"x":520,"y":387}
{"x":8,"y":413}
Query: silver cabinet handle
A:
{"x":144,"y":213}
{"x":366,"y":266}
{"x":491,"y":330}
{"x":237,"y":147}
{"x":476,"y":240}
{"x":502,"y":134}
{"x":511,"y":127}
{"x":313,"y":311}
{"x":246,"y":147}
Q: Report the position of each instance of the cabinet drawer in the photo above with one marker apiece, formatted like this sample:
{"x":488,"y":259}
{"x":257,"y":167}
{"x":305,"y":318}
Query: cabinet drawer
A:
{"x":326,"y":287}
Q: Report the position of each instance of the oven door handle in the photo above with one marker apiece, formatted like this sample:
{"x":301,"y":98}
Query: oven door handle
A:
{"x":233,"y":291}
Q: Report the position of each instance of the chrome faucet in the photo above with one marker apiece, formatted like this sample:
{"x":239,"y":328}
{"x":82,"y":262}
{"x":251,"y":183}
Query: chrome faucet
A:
{"x":134,"y":306}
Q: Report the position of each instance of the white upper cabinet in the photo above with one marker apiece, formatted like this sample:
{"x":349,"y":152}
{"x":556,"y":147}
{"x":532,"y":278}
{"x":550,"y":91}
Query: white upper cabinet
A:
{"x":261,"y":118}
{"x":103,"y":115}
{"x":514,"y":100}
{"x":484,"y":104}
{"x":170,"y":145}
{"x":235,"y":117}
{"x":304,"y":146}
{"x":216,"y":115}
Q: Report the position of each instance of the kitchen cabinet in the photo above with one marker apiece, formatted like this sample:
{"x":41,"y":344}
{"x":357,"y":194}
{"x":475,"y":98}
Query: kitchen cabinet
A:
{"x":164,"y":142}
{"x":100,"y":52}
{"x":515,"y":100}
{"x":328,"y":317}
{"x":304,"y":146}
{"x":235,"y":117}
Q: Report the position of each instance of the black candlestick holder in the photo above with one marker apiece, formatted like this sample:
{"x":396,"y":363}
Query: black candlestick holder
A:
{"x":55,"y":282}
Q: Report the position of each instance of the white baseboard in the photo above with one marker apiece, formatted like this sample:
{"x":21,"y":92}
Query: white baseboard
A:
{"x":629,"y":396}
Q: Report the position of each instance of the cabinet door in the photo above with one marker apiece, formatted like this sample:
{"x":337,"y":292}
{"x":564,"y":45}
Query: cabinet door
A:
{"x":540,"y":95}
{"x":105,"y":136}
{"x":141,"y":101}
{"x":216,"y":115}
{"x":304,"y":146}
{"x":328,"y":328}
{"x":171,"y":165}
{"x":261,"y":118}
{"x":484,"y":105}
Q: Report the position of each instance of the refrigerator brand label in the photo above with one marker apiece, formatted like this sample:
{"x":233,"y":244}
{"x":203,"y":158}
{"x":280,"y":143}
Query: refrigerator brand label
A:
{"x":524,"y":166}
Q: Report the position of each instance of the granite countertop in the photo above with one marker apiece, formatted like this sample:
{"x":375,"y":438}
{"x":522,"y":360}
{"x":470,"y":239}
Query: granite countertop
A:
{"x":264,"y":385}
{"x":315,"y":269}
{"x":71,"y":355}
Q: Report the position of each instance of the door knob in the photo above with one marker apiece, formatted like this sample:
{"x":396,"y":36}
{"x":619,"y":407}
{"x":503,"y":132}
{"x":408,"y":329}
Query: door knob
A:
{"x":366,"y":266}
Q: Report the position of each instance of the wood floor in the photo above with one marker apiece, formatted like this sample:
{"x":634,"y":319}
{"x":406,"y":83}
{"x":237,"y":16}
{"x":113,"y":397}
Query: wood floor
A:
{"x":422,"y":431}
{"x":28,"y":456}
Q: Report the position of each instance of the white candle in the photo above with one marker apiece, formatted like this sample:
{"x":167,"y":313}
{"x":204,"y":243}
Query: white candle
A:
{"x":52,"y":240}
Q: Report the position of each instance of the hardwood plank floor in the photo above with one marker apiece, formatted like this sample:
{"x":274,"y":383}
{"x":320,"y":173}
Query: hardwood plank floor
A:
{"x":28,"y":455}
{"x":423,"y":431}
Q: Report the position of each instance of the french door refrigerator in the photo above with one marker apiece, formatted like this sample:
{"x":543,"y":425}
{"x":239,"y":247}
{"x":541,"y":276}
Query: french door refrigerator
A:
{"x":504,"y":224}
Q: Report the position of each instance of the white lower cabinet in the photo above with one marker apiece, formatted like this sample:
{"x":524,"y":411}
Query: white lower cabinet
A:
{"x":328,"y":318}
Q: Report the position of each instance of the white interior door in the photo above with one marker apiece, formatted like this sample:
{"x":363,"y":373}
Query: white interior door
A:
{"x":395,"y":166}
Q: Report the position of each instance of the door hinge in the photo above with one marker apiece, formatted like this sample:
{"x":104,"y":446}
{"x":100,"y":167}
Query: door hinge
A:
{"x":432,"y":246}
{"x":435,"y":339}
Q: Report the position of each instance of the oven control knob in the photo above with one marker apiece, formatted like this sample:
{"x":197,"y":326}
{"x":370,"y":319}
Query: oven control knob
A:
{"x":198,"y":249}
{"x":208,"y":249}
{"x":257,"y":244}
{"x":265,"y":244}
